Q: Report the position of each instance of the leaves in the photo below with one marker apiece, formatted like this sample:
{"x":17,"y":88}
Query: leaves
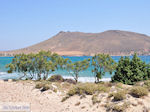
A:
{"x":102,"y":63}
{"x":75,"y":68}
{"x":35,"y":65}
{"x":129,"y":71}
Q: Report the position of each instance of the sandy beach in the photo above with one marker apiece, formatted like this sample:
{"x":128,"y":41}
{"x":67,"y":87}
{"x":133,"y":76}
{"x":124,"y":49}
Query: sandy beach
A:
{"x":50,"y":101}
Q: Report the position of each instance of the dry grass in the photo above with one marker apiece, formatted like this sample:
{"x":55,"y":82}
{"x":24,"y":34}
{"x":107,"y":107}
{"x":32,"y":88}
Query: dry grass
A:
{"x":39,"y":85}
{"x":45,"y":88}
{"x":120,"y":95}
{"x":116,"y":107}
{"x":95,"y":99}
{"x":138,"y":91}
{"x":88,"y":89}
{"x":56,"y":78}
{"x":65,"y":98}
{"x":147,"y":84}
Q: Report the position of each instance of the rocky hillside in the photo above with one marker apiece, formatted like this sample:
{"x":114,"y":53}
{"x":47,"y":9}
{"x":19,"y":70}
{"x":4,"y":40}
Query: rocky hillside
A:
{"x":113,"y":42}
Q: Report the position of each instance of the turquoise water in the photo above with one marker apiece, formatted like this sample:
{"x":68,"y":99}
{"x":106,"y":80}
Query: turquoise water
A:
{"x":84,"y":75}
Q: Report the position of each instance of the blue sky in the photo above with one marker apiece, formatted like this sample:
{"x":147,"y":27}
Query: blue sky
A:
{"x":26,"y":22}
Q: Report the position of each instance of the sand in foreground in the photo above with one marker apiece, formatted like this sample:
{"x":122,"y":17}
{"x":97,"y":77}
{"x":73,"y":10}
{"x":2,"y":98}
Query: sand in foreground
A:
{"x":50,"y":101}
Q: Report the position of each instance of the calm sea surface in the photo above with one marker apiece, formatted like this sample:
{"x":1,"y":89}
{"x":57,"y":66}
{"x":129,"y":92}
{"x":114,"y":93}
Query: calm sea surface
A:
{"x":85,"y":76}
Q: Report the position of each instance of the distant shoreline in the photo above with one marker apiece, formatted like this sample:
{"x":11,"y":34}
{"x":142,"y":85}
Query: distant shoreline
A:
{"x":87,"y":55}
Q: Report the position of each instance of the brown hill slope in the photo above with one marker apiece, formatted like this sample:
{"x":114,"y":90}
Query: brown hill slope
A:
{"x":113,"y":42}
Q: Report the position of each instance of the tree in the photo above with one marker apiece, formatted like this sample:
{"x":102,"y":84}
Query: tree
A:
{"x":123,"y":70}
{"x":102,"y":63}
{"x":129,"y":71}
{"x":19,"y":64}
{"x":37,"y":66}
{"x":75,"y":68}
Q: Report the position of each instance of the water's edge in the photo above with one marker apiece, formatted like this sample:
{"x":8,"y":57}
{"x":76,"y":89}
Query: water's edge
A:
{"x":85,"y":76}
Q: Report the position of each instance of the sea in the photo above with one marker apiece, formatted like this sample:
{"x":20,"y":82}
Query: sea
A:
{"x":84,"y":76}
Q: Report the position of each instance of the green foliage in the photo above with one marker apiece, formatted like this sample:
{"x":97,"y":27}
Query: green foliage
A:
{"x":36,"y":65}
{"x":45,"y":88}
{"x":65,"y":98}
{"x":101,"y":64}
{"x":95,"y":99}
{"x":88,"y":89}
{"x":42,"y":86}
{"x":147,"y":84}
{"x":131,"y":71}
{"x":117,"y":108}
{"x":82,"y":89}
{"x":120,"y":95}
{"x":39,"y":85}
{"x":138,"y":91}
{"x":74,"y":68}
{"x":56,"y":78}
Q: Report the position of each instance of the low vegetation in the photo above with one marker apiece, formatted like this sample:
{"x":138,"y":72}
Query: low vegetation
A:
{"x":56,"y":78}
{"x":119,"y":95}
{"x":138,"y":91}
{"x":45,"y":88}
{"x":129,"y":71}
{"x":117,"y":108}
{"x":95,"y":99}
{"x":87,"y":88}
{"x":65,"y":98}
{"x":42,"y":86}
{"x":147,"y":84}
{"x":39,"y":85}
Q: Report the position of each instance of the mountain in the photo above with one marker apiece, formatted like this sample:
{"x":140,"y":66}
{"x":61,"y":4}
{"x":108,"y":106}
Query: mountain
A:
{"x":113,"y":42}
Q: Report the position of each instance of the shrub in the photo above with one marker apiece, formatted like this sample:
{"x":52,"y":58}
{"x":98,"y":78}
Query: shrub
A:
{"x":65,"y":98}
{"x":72,"y":91}
{"x":129,"y":71}
{"x":45,"y":88}
{"x":71,"y":81}
{"x":116,"y":107}
{"x":80,"y":89}
{"x":120,"y":95}
{"x":147,"y":83}
{"x":39,"y":85}
{"x":102,"y":88}
{"x":138,"y":91}
{"x":87,"y":88}
{"x":95,"y":99}
{"x":119,"y":85}
{"x":56,"y":78}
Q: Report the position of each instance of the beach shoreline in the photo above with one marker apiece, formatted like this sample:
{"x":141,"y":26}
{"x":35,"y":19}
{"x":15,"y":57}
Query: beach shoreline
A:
{"x":50,"y":100}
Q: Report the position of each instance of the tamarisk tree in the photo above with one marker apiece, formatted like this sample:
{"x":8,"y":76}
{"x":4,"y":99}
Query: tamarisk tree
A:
{"x":74,"y":68}
{"x":37,"y":66}
{"x":102,"y":63}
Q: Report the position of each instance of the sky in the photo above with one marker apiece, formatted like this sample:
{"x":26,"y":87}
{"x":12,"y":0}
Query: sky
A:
{"x":27,"y":22}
